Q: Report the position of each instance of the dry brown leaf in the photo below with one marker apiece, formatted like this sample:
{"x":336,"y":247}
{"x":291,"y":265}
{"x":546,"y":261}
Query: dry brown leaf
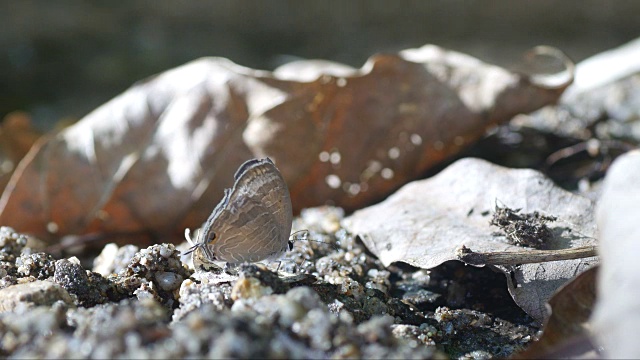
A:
{"x":16,"y":138}
{"x":157,"y":158}
{"x":426,"y":221}
{"x":568,"y":325}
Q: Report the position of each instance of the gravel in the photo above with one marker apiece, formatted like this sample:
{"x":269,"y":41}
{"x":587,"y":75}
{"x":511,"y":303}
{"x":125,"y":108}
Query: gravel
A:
{"x":329,"y":299}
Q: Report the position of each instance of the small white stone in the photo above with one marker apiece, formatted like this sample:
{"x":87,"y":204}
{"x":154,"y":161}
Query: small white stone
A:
{"x":168,"y":281}
{"x":165,"y":252}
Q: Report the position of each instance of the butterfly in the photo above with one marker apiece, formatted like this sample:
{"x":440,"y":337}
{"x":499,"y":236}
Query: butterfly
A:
{"x":252,"y":222}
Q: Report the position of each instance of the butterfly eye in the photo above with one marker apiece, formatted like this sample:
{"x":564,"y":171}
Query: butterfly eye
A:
{"x":290,"y":245}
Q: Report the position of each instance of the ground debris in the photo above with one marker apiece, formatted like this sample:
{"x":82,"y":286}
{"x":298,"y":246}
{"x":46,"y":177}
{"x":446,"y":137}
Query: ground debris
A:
{"x":526,"y":230}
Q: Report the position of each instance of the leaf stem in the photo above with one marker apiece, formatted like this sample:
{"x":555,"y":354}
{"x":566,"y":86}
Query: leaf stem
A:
{"x":469,"y":257}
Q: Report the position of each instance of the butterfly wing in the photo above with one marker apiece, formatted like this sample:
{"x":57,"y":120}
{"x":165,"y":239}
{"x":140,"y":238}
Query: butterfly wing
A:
{"x":253,"y":221}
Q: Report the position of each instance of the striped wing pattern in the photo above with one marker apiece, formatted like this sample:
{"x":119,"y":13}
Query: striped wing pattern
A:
{"x":253,"y":221}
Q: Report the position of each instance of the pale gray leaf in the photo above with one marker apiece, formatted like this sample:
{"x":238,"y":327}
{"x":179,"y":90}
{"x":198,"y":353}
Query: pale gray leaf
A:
{"x":424,"y":222}
{"x":616,"y":318}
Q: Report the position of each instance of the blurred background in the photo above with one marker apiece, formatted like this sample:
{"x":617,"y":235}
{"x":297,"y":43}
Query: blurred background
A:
{"x":59,"y":60}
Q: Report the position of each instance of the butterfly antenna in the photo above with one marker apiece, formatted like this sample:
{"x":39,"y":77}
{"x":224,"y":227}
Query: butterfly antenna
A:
{"x":305,"y":237}
{"x":294,"y":235}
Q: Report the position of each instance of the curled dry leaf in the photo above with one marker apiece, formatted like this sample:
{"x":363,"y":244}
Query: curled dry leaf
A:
{"x":616,"y":319}
{"x":568,"y":328}
{"x":427,"y":221}
{"x":157,"y":158}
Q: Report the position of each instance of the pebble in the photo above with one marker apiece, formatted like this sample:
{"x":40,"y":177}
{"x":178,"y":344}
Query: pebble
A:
{"x":30,"y":294}
{"x":114,"y":259}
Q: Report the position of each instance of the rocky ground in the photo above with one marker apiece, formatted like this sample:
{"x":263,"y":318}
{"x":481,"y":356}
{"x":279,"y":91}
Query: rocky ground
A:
{"x":330,"y":298}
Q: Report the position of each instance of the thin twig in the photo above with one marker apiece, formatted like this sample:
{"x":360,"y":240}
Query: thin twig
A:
{"x":467,"y":256}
